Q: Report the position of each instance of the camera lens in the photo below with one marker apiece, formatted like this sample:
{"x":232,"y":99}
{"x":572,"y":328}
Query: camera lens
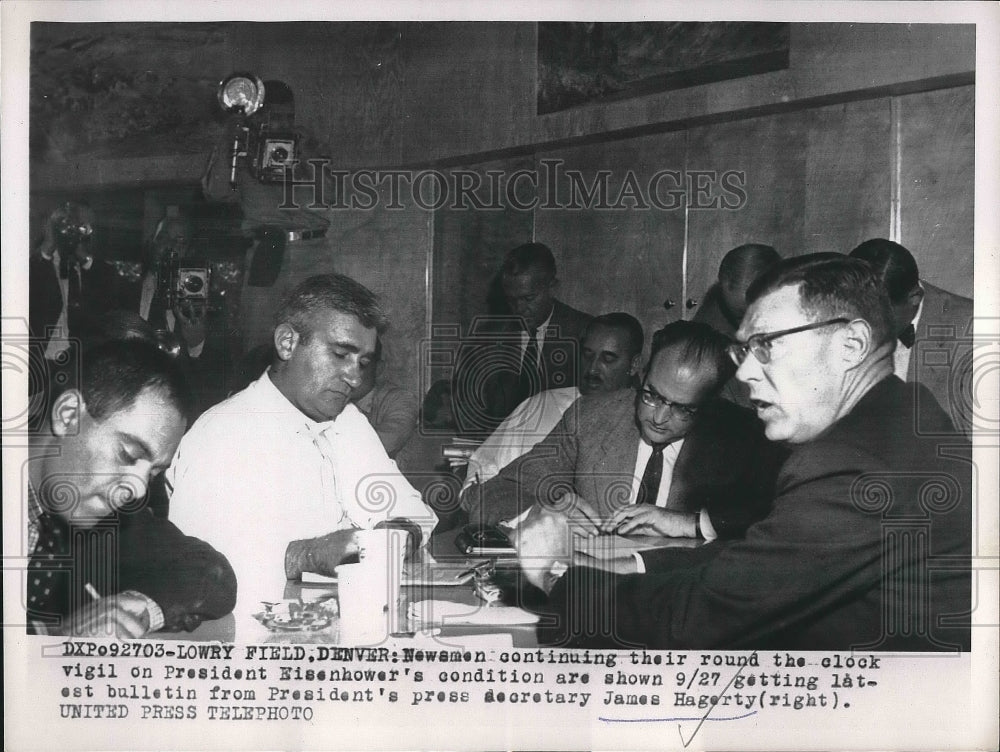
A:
{"x":280,"y":154}
{"x":193,"y":284}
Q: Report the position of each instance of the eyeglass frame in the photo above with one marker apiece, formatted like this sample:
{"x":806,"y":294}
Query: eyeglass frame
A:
{"x":756,"y":343}
{"x":677,"y":409}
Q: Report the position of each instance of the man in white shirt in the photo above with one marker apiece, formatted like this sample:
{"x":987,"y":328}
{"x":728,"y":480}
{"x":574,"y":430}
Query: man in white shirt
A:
{"x":671,"y":459}
{"x":280,"y":475}
{"x":933,"y":329}
{"x":610,"y":358}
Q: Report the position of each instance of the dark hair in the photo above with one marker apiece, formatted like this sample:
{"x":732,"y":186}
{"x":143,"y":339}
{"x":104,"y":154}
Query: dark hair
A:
{"x":747,"y":261}
{"x":121,"y":324}
{"x":628,"y":323}
{"x":330,"y":292}
{"x":529,"y":256}
{"x":831,"y":285}
{"x":894,"y":265}
{"x":115,"y":373}
{"x":702,"y":345}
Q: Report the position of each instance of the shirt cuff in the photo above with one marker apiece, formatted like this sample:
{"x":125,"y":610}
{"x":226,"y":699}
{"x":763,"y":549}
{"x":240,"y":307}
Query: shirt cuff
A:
{"x":640,"y":565}
{"x":708,"y":531}
{"x":156,"y":620}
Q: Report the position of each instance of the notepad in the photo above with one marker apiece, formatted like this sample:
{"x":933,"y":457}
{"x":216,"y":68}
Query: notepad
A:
{"x":446,"y":613}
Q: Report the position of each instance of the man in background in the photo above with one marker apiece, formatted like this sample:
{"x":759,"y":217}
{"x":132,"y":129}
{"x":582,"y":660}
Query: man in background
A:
{"x":392,"y":411}
{"x":610,"y":358}
{"x":725,"y":302}
{"x":541,"y":336}
{"x":933,"y":329}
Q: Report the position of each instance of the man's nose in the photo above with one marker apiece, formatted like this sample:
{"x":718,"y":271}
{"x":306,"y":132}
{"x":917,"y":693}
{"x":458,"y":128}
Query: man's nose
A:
{"x":352,"y":374}
{"x":749,"y":369}
{"x":590,"y":365}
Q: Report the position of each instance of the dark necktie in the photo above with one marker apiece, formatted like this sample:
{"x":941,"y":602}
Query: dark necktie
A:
{"x":70,"y":271}
{"x":157,"y":316}
{"x":907,"y":337}
{"x":46,"y":583}
{"x":649,"y":487}
{"x":528,"y":379}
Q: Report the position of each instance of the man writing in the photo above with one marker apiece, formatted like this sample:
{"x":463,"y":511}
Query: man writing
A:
{"x":863,"y":505}
{"x":281,"y":474}
{"x":670,"y":459}
{"x":610,"y":358}
{"x":87,"y":477}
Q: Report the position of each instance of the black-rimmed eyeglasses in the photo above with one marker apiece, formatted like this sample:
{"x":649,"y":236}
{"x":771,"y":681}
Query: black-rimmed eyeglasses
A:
{"x":760,"y":344}
{"x":678,"y":411}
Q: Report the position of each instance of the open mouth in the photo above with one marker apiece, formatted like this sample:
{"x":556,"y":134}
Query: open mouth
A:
{"x":761,"y":405}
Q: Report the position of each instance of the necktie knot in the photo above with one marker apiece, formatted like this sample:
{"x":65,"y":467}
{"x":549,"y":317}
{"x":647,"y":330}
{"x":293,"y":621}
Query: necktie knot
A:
{"x":907,"y":337}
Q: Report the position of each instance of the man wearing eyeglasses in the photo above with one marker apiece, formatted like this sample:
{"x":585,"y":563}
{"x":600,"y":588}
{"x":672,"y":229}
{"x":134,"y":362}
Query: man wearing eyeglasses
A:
{"x":668,"y":459}
{"x":867,"y":542}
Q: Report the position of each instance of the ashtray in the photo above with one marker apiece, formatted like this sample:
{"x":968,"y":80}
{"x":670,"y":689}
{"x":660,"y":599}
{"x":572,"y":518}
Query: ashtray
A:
{"x":296,"y":616}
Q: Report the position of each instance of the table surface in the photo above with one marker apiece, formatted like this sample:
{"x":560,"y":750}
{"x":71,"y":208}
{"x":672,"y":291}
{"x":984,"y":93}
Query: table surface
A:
{"x":244,"y":628}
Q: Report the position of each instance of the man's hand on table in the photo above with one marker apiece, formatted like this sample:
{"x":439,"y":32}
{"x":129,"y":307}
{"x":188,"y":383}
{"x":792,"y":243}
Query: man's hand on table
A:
{"x":646,"y":519}
{"x":579,"y":512}
{"x":320,"y":555}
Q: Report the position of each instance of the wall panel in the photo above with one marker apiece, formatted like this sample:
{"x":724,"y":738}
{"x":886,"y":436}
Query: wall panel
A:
{"x":937,"y":145}
{"x":848,"y":173}
{"x":771,"y":153}
{"x":611,"y":259}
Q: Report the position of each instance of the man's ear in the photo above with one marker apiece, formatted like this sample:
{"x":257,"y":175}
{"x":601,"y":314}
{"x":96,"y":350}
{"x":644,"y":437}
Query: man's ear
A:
{"x":856,"y":341}
{"x":286,"y":339}
{"x":635,"y":365}
{"x":67,"y":412}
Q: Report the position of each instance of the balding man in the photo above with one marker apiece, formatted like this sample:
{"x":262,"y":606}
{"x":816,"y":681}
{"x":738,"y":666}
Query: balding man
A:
{"x":667,"y":459}
{"x":933,"y":328}
{"x":864,"y":509}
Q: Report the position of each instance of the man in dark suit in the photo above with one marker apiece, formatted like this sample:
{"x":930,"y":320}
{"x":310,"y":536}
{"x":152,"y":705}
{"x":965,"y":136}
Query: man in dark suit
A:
{"x":668,"y":459}
{"x":933,"y":328}
{"x":867,"y":543}
{"x":100,"y":561}
{"x":533,"y":349}
{"x":69,"y":287}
